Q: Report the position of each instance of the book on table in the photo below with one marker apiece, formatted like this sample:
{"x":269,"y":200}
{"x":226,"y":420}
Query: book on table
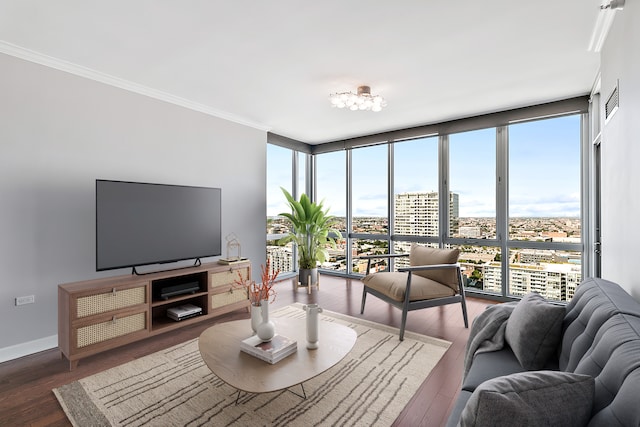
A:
{"x":271,"y":351}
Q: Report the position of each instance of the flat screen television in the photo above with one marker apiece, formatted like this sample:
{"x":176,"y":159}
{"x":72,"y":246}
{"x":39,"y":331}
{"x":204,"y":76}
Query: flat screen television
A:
{"x":141,"y":223}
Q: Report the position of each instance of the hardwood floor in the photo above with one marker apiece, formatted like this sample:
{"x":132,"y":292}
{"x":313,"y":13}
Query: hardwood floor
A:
{"x":26,"y":383}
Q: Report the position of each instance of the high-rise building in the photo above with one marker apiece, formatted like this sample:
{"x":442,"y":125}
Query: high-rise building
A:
{"x":280,"y":258}
{"x":556,"y":282}
{"x":417,"y":214}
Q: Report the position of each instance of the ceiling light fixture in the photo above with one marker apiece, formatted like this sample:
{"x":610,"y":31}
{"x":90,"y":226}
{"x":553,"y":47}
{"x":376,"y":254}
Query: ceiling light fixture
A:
{"x":363,"y":100}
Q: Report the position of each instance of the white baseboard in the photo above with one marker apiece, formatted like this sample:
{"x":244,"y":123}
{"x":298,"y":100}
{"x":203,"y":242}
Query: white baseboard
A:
{"x":27,"y":348}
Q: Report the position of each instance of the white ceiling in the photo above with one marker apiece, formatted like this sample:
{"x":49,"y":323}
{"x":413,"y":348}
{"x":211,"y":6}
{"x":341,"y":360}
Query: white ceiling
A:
{"x":272,"y":64}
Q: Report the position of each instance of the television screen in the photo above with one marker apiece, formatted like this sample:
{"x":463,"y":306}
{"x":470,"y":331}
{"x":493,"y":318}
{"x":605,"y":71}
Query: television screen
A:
{"x":141,"y":224}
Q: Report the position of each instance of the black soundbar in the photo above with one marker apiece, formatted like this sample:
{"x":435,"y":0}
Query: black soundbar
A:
{"x":181,"y":289}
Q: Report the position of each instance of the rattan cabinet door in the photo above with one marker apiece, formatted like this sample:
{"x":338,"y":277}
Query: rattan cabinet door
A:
{"x":110,"y":300}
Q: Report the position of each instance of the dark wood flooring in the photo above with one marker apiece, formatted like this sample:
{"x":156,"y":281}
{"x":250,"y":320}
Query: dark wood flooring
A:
{"x":26,"y":383}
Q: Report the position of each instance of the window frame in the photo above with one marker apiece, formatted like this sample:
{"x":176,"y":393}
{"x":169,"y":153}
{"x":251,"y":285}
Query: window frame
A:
{"x":499,"y":121}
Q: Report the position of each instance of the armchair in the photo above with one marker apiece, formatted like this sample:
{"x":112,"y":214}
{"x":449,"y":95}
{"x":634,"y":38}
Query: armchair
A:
{"x":433,"y":278}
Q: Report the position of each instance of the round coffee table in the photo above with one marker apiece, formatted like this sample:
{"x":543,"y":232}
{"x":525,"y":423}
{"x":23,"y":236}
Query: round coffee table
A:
{"x":220,"y":349}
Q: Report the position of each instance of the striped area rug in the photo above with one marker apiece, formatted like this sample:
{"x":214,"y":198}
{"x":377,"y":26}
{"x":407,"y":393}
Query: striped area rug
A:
{"x":174,"y":387}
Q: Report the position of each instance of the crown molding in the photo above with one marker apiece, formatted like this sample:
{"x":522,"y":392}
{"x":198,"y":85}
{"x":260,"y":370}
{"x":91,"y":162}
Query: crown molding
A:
{"x":88,"y":73}
{"x":601,"y":29}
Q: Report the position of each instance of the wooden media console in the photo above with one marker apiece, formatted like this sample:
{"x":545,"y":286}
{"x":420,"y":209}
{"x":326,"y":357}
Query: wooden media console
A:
{"x":101,"y":314}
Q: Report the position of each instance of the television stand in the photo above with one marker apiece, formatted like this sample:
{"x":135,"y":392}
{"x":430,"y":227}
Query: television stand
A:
{"x":102,"y":314}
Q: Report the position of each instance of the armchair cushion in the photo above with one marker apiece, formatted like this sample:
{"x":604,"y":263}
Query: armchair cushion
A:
{"x":423,"y":255}
{"x":394,"y":284}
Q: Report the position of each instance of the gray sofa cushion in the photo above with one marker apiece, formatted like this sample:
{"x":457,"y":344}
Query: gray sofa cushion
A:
{"x":595,"y":302}
{"x":536,"y":398}
{"x":491,"y":365}
{"x":614,"y":361}
{"x":534,"y":330}
{"x":461,"y":401}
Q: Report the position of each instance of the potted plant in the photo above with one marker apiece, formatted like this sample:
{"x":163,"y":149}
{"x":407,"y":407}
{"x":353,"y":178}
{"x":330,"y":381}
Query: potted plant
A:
{"x":313,"y":230}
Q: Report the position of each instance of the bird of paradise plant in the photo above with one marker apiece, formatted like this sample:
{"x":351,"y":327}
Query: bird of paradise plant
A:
{"x":313,"y":230}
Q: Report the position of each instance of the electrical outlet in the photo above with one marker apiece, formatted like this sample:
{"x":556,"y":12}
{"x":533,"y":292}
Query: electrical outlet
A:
{"x":29,"y":299}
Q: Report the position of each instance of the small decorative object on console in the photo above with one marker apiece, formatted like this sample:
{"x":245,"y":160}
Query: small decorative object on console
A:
{"x":232,"y":244}
{"x":272,"y":351}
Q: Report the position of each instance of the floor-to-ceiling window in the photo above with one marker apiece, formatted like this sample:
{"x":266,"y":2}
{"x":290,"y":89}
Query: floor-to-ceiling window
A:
{"x":280,"y":172}
{"x":508,"y":196}
{"x":472,"y":214}
{"x":369,"y":203}
{"x":331,"y":189}
{"x":415,"y":194}
{"x":545,"y":238}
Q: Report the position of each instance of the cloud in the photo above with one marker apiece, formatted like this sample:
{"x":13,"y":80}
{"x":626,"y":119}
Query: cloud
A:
{"x":545,"y":206}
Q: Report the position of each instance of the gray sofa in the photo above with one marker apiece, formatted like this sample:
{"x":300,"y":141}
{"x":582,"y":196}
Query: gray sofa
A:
{"x":536,"y":363}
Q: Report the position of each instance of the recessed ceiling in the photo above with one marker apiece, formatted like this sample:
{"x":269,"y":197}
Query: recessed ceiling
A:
{"x":272,"y":64}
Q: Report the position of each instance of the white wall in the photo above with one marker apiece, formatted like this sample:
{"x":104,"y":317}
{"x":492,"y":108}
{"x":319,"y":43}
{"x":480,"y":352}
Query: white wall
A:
{"x":58,"y":133}
{"x":620,"y":59}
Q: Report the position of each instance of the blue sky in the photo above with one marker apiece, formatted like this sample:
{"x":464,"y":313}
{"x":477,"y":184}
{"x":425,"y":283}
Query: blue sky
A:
{"x":544,"y":169}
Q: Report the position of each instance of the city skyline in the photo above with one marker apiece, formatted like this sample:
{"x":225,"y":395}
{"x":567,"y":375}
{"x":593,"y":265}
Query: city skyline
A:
{"x":551,"y":272}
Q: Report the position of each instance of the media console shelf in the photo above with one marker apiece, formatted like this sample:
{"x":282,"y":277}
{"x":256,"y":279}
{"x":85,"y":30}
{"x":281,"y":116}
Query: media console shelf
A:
{"x":101,"y":314}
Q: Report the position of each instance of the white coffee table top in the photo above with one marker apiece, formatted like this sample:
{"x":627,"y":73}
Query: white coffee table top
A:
{"x":220,"y":349}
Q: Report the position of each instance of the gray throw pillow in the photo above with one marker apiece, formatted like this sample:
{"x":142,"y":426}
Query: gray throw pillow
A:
{"x":531,"y":399}
{"x":534,"y":330}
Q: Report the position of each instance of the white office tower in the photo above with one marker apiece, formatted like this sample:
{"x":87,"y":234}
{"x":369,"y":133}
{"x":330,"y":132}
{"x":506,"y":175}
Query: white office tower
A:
{"x":416,"y":214}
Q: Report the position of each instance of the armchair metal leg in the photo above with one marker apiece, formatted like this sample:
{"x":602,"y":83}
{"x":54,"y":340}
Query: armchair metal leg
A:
{"x":464,"y":312}
{"x":364,"y":298}
{"x":405,"y":306}
{"x":403,"y":323}
{"x":464,"y":301}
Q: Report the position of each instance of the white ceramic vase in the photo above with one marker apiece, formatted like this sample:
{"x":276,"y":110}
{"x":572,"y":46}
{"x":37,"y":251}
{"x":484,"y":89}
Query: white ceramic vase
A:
{"x":256,"y":317}
{"x":266,"y":329}
{"x":312,"y":325}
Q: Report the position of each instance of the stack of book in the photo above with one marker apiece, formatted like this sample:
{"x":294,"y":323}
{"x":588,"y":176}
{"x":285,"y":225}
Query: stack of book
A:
{"x":271,"y":351}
